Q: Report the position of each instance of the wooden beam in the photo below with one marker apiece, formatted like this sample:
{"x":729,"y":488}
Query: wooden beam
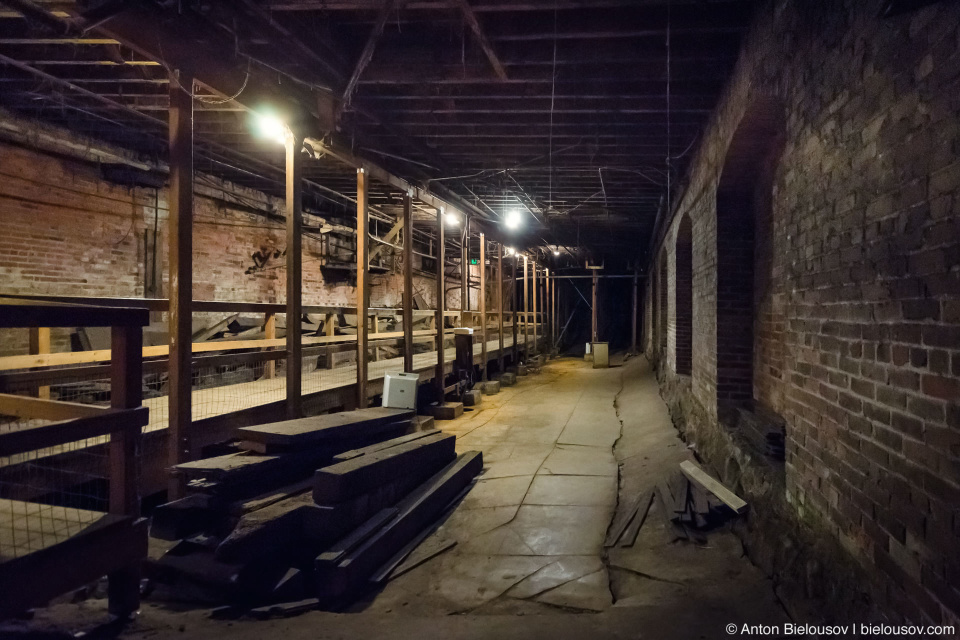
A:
{"x":180,"y":286}
{"x":105,"y":422}
{"x":269,"y":333}
{"x":526,"y":309}
{"x":363,"y":287}
{"x":294,"y":166}
{"x":407,"y":283}
{"x":28,"y":408}
{"x":700,"y":477}
{"x":633,"y":315}
{"x":594,"y":329}
{"x":533,"y":301}
{"x":465,"y":271}
{"x":39,"y":344}
{"x":483,"y":304}
{"x":366,"y":55}
{"x":481,"y":37}
{"x":500,"y":305}
{"x":513,"y":309}
{"x":438,"y":376}
{"x":390,"y":237}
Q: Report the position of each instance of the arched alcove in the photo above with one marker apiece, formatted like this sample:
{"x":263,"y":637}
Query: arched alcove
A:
{"x":744,"y":248}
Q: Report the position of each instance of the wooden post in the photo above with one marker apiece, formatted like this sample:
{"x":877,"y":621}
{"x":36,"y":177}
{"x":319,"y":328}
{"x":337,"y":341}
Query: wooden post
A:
{"x":465,"y":272}
{"x":294,"y":276}
{"x":533,"y":302}
{"x":126,"y":379}
{"x":633,"y":325}
{"x":594,"y":335}
{"x":483,"y":303}
{"x":180,"y":286}
{"x":526,"y":310}
{"x":269,"y":333}
{"x":547,"y":316}
{"x":363,"y":290}
{"x":407,"y":284}
{"x":438,"y":373}
{"x":513,"y":310}
{"x":500,"y":305}
{"x":40,"y":343}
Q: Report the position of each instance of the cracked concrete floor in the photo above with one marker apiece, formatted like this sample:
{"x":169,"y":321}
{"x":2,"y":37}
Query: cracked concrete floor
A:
{"x":563,"y":450}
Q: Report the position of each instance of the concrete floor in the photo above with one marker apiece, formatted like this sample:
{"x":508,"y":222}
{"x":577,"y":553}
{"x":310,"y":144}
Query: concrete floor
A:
{"x":562,"y":450}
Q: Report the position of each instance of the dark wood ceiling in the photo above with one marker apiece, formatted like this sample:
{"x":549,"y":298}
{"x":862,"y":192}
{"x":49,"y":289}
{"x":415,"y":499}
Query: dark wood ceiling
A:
{"x":565,"y":110}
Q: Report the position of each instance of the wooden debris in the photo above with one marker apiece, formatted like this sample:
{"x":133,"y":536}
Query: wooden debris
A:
{"x":630,"y":534}
{"x":620,"y":523}
{"x":700,"y":477}
{"x":357,"y":537}
{"x":382,"y":446}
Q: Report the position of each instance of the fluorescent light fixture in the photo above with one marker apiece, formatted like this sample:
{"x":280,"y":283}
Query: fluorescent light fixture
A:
{"x":451,"y":219}
{"x":271,"y":127}
{"x":513,"y":219}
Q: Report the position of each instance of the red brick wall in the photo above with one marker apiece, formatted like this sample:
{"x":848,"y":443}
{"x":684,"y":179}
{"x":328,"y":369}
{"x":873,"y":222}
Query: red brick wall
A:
{"x":683,"y":298}
{"x":856,"y":280}
{"x":64,"y":231}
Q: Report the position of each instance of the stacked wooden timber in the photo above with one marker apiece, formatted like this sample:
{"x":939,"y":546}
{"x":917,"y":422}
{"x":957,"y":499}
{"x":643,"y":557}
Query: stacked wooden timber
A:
{"x":310,"y":508}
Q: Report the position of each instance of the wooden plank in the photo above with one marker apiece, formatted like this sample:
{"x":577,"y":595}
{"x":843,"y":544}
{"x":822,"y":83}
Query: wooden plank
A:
{"x":306,"y":431}
{"x":29,"y":408}
{"x":357,"y":537}
{"x":483,"y":305}
{"x":51,"y":435}
{"x":382,"y":446}
{"x":621,"y":521}
{"x":19,"y":312}
{"x":665,"y":501}
{"x":39,"y":344}
{"x":441,"y":302}
{"x":630,"y":534}
{"x":702,"y":479}
{"x":349,"y":478}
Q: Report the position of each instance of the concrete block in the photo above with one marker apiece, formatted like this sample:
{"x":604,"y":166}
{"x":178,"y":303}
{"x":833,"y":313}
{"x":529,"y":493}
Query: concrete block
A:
{"x":507,"y":379}
{"x":490,"y":388}
{"x":447,"y":410}
{"x":472,"y":398}
{"x":522,"y":370}
{"x":601,"y":359}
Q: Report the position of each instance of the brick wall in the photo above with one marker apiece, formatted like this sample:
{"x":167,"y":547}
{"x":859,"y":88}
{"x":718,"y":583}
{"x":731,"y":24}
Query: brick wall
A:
{"x":683,"y":298}
{"x":855,"y":280}
{"x":65,"y":231}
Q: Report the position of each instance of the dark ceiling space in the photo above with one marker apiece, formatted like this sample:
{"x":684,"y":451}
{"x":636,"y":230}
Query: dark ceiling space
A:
{"x":576,"y":113}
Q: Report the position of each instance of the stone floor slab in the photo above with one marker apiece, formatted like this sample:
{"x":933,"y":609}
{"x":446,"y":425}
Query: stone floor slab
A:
{"x":572,"y":491}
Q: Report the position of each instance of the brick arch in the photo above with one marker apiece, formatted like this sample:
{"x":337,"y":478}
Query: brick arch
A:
{"x":683,"y":296}
{"x":744,"y":234}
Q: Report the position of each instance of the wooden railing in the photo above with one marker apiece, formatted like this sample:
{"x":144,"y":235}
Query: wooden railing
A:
{"x":115,"y":546}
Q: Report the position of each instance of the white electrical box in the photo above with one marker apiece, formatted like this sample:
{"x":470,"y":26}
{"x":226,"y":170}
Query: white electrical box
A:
{"x":400,"y":390}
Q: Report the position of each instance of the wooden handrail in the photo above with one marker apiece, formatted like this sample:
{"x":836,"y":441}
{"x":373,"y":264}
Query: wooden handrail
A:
{"x":22,"y":312}
{"x":50,"y":435}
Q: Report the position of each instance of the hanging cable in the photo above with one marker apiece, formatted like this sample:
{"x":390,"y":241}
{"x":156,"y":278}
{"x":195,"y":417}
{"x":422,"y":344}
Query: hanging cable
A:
{"x":553,"y":93}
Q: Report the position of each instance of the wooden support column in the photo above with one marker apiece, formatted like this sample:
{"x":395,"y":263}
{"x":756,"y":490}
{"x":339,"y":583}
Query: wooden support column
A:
{"x":554,"y":313}
{"x":547,"y":317}
{"x":438,"y":373}
{"x":465,"y":272}
{"x":594,"y":335}
{"x":633,"y":324}
{"x":500,"y":305}
{"x":513,"y":310}
{"x":180,"y":286}
{"x":363,"y":287}
{"x":407,"y":284}
{"x":40,"y":344}
{"x":483,"y":303}
{"x":294,"y":341}
{"x":526,"y":309}
{"x":126,"y":379}
{"x":533,"y":303}
{"x":269,"y":333}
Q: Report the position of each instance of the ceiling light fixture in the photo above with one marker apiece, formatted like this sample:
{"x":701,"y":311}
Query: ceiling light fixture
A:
{"x":513,"y":219}
{"x":271,"y":127}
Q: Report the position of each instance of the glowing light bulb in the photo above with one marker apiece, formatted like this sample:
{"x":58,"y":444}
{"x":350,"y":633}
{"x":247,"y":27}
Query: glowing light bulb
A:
{"x":272,"y":128}
{"x":451,"y":219}
{"x":556,"y":252}
{"x":513,"y":219}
